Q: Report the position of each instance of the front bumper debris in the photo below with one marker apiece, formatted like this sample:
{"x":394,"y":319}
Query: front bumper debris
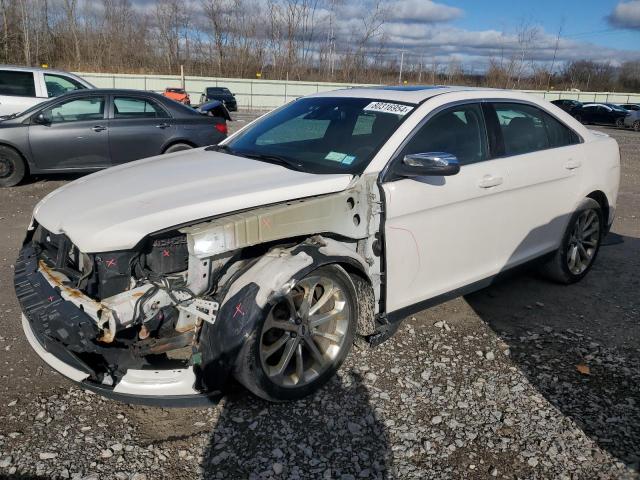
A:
{"x":65,"y":337}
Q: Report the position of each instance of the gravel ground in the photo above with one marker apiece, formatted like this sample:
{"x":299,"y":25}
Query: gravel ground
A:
{"x":525,"y":379}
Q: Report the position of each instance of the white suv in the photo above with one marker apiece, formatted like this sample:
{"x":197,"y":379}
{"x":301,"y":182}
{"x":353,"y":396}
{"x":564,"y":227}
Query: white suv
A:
{"x":23,"y":87}
{"x":329,"y":219}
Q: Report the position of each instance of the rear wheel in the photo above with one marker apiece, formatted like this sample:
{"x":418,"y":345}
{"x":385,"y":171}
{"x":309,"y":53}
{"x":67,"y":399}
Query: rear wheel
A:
{"x":177,"y":147}
{"x":303,"y":339}
{"x":12,"y":167}
{"x":579,"y":118}
{"x":580,"y":244}
{"x":619,"y":122}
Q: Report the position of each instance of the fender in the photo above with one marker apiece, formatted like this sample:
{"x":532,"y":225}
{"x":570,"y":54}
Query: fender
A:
{"x":248,"y":298}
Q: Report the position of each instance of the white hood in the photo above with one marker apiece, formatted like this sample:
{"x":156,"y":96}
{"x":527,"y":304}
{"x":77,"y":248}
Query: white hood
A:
{"x":115,"y":208}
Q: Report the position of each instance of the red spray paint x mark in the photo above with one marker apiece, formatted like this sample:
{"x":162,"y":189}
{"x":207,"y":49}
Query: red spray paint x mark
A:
{"x":165,"y":253}
{"x":238,"y":310}
{"x":51,"y":299}
{"x":265,"y":222}
{"x":111,"y":262}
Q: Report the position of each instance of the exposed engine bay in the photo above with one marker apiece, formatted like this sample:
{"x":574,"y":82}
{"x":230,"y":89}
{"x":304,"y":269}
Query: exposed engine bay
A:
{"x":119,"y":313}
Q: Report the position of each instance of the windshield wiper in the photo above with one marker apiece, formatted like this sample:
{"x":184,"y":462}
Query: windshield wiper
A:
{"x":263,"y":157}
{"x":220,"y":148}
{"x":276,"y":159}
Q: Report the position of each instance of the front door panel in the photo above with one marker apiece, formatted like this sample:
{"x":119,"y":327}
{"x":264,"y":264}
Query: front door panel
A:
{"x":74,"y":136}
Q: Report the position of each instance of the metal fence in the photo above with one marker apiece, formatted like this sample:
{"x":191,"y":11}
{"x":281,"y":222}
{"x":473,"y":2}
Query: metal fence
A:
{"x":256,"y":94}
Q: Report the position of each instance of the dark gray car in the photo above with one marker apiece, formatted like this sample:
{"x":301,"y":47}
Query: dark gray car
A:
{"x":94,"y":129}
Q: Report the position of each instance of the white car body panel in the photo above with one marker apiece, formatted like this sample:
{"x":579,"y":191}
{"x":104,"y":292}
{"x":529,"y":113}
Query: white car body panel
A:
{"x":135,"y":199}
{"x":459,"y":234}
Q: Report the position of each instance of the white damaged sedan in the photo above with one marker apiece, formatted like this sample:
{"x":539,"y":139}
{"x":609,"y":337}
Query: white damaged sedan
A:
{"x":323,"y":223}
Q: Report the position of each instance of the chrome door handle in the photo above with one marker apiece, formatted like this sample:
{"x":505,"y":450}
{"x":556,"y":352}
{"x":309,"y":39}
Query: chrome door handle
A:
{"x":98,"y":128}
{"x":489,"y":181}
{"x":163,"y":125}
{"x":572,"y":164}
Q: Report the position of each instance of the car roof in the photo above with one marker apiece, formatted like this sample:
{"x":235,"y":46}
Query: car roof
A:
{"x":18,"y":68}
{"x":409,"y":94}
{"x":178,"y":109}
{"x":111,"y":91}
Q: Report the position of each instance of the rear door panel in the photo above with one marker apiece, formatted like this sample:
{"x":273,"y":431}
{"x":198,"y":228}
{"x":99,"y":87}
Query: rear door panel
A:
{"x":138,"y":128}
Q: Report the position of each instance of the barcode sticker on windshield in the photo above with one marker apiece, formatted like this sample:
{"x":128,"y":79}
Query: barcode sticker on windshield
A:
{"x":385,"y":107}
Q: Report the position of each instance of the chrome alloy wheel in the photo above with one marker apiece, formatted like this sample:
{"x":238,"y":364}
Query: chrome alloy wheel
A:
{"x":305,"y":332}
{"x":583,"y":242}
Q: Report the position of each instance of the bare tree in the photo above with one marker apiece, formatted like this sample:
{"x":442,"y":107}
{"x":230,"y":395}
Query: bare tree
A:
{"x":297,"y":39}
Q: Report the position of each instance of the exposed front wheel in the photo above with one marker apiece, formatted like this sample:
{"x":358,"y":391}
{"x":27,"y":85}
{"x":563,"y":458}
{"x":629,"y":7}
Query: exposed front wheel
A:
{"x":619,"y":122}
{"x":580,"y":244}
{"x":636,"y":125}
{"x":303,"y":339}
{"x":12,"y":167}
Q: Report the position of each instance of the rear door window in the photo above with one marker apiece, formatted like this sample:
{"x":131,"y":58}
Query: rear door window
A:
{"x":18,"y":84}
{"x":131,"y":107}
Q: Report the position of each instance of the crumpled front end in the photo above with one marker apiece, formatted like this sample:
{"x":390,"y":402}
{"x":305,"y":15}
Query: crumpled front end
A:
{"x":162,"y":321}
{"x":100,"y":320}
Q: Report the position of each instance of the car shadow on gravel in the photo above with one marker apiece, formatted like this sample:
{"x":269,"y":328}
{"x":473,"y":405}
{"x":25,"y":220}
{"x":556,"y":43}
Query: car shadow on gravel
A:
{"x":330,"y":434}
{"x":578,"y":344}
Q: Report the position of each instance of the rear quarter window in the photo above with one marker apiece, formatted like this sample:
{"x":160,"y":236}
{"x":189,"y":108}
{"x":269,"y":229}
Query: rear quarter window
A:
{"x":559,"y":134}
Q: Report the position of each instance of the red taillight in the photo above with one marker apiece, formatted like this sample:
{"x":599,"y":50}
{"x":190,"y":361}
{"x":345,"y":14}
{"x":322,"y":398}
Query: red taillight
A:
{"x":221,"y":127}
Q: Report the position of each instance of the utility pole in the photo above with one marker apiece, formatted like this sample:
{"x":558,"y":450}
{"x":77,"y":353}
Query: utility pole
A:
{"x":401,"y":65}
{"x":331,"y":39}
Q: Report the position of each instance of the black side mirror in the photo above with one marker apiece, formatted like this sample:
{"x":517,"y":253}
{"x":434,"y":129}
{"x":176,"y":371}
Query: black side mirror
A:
{"x":427,"y":164}
{"x":40,"y":119}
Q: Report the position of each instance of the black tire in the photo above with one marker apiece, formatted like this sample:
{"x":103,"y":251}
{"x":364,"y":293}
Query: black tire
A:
{"x":579,"y":118}
{"x":178,"y":147}
{"x":558,"y":268}
{"x":620,"y":122}
{"x":636,"y":125}
{"x":12,"y":167}
{"x":250,"y":366}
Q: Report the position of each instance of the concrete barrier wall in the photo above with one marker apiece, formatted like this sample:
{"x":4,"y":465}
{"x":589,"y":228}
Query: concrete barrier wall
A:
{"x":267,"y":94}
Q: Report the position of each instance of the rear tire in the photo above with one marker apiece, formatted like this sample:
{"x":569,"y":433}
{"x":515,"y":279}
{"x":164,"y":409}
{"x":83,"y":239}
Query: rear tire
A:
{"x":12,"y":167}
{"x":619,"y":122}
{"x":580,"y":244}
{"x":304,"y":338}
{"x":178,"y":147}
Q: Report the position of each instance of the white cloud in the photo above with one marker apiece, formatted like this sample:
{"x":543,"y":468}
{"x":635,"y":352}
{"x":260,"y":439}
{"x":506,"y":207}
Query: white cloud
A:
{"x":421,"y":11}
{"x":626,"y":15}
